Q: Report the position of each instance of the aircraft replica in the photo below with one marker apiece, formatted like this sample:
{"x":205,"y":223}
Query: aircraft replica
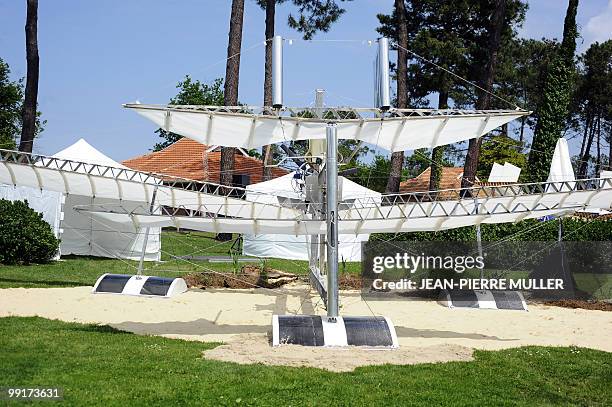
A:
{"x":189,"y":204}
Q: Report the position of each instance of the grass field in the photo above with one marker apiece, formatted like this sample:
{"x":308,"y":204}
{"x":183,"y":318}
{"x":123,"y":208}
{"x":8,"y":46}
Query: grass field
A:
{"x":97,"y":365}
{"x":75,"y":271}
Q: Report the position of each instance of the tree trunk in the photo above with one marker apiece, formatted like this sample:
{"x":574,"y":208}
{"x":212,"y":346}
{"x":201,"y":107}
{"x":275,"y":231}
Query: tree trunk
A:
{"x":28,"y":130}
{"x":598,"y":160}
{"x":267,"y":150}
{"x":230,"y":91}
{"x":586,"y":131}
{"x":522,"y":133}
{"x":232,"y":74}
{"x":584,"y":164}
{"x":397,"y":158}
{"x":484,"y":98}
{"x":437,"y":155}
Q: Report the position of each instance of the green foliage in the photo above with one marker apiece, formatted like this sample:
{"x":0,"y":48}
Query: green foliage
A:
{"x":528,"y":230}
{"x":11,"y":106}
{"x":419,"y":161}
{"x":519,"y":77}
{"x":191,"y":92}
{"x":437,"y":155}
{"x":554,"y":107}
{"x":592,"y":105}
{"x":373,"y":175}
{"x":315,"y":15}
{"x":551,"y":119}
{"x":24,"y":236}
{"x":11,"y":100}
{"x":451,"y":34}
{"x":500,"y":149}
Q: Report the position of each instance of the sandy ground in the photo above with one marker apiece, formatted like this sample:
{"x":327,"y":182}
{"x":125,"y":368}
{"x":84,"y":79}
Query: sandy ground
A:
{"x":427,"y":331}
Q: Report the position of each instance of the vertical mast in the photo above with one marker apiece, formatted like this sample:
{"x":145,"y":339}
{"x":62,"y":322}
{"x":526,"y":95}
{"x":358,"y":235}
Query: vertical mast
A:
{"x":277,"y":71}
{"x":331,"y":212}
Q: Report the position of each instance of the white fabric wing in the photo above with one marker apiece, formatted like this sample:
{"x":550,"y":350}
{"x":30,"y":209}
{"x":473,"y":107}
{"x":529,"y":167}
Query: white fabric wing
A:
{"x":391,"y":133}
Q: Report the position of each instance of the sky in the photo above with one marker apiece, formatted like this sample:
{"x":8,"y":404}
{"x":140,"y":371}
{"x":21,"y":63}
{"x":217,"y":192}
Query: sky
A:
{"x":96,"y":55}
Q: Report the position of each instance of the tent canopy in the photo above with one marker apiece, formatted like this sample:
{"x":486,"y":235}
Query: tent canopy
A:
{"x":297,"y":247}
{"x":85,"y":152}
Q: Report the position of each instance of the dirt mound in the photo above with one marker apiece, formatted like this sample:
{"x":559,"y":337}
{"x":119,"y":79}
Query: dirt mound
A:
{"x":250,"y":276}
{"x":250,"y":349}
{"x":350,"y":281}
{"x":584,"y":304}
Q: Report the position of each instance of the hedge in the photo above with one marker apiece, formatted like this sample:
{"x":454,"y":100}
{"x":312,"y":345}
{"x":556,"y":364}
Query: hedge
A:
{"x":574,"y":229}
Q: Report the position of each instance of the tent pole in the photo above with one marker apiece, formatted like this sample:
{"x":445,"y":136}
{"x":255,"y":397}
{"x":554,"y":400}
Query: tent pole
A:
{"x":331,"y":211}
{"x":146,"y":236}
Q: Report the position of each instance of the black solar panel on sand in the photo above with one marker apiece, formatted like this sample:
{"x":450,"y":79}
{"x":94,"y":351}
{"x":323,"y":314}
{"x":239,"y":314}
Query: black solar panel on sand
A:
{"x":304,"y":330}
{"x":464,"y":298}
{"x":156,"y":286}
{"x":113,"y":283}
{"x":367,"y":331}
{"x":508,"y":300}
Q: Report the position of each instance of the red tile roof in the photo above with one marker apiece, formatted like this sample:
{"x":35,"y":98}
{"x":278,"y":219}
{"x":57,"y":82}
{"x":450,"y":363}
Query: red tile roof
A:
{"x":188,"y":159}
{"x":450,"y":179}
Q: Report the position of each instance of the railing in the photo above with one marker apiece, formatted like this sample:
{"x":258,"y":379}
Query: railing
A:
{"x":150,"y":178}
{"x":326,"y":114}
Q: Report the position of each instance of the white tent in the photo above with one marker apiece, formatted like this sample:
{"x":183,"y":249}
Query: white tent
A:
{"x":81,"y":234}
{"x":504,"y":173}
{"x":296,"y":247}
{"x":561,"y":168}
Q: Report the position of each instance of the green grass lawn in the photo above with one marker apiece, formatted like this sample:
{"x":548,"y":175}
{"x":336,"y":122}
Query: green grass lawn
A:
{"x":97,"y":365}
{"x":80,"y":270}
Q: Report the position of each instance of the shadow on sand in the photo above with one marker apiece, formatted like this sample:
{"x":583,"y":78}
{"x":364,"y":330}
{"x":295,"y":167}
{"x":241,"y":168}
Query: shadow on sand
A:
{"x":309,"y":303}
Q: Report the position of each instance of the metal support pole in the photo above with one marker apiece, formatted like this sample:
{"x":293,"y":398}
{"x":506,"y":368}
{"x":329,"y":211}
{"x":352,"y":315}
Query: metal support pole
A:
{"x":277,"y":71}
{"x":331,"y":212}
{"x":383,"y":78}
{"x":146,"y":236}
{"x":318,"y":240}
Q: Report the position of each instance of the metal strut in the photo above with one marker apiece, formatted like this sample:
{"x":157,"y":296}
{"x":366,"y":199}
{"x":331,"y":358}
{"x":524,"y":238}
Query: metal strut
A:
{"x":146,"y":236}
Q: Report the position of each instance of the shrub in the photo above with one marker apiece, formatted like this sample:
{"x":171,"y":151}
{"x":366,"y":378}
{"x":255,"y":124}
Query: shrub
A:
{"x":24,"y":236}
{"x":578,"y":230}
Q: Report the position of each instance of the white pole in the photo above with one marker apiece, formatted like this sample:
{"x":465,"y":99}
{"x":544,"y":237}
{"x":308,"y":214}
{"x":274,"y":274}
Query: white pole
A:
{"x":384,"y":81}
{"x":146,"y":236}
{"x":277,"y":71}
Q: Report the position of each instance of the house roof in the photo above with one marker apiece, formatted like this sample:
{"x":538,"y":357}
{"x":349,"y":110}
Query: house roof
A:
{"x":450,"y":179}
{"x":189,"y":159}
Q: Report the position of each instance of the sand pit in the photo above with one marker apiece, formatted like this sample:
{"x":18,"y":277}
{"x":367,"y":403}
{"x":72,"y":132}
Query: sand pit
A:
{"x":427,"y":332}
